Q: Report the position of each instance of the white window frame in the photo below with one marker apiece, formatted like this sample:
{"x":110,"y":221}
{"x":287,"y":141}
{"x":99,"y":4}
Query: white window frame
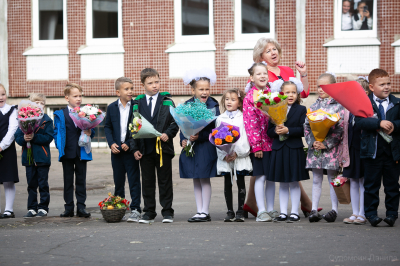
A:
{"x":353,"y":34}
{"x":90,"y":41}
{"x":240,"y":37}
{"x":179,"y":38}
{"x":35,"y":28}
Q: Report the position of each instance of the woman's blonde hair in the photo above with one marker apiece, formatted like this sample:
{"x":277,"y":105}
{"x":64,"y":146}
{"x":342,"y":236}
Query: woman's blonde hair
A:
{"x":260,"y":48}
{"x":40,"y":97}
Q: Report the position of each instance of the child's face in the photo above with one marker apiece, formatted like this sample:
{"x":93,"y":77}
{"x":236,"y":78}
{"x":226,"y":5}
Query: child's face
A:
{"x":40,"y":103}
{"x":231,"y":102}
{"x":152,"y":85}
{"x":260,"y":77}
{"x":74,"y":98}
{"x":322,"y":81}
{"x":381,"y":87}
{"x":3,"y":97}
{"x":291,"y":92}
{"x":125,"y":92}
{"x":202,"y":90}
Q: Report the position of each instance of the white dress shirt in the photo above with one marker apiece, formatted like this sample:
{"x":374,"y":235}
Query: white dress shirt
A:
{"x":70,"y":109}
{"x":347,"y":21}
{"x":124,"y":115}
{"x":12,"y":127}
{"x":357,"y":24}
{"x":153,"y":102}
{"x":385,"y":104}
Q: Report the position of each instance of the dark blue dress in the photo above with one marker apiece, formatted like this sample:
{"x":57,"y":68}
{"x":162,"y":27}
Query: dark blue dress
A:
{"x":356,"y":167}
{"x":204,"y":162}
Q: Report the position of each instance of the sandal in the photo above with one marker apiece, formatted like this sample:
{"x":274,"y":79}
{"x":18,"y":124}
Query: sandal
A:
{"x":360,"y":222}
{"x":281,"y":218}
{"x":293,"y":219}
{"x":314,"y":216}
{"x":330,"y":216}
{"x":350,"y":221}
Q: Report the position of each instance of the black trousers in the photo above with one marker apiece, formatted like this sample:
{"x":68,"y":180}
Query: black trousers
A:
{"x":77,"y":167}
{"x":149,"y":164}
{"x":381,"y":169}
{"x":124,"y":163}
{"x":37,"y":177}
{"x":228,"y":192}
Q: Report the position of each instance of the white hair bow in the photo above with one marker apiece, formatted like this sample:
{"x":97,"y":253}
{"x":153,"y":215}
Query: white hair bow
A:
{"x":333,"y":74}
{"x":363,"y":77}
{"x":298,"y":83}
{"x":263,"y":62}
{"x":276,"y":85}
{"x":196,"y":74}
{"x":248,"y":87}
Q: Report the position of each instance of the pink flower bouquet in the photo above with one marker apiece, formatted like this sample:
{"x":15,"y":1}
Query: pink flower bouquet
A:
{"x":86,"y":117}
{"x":29,"y":116}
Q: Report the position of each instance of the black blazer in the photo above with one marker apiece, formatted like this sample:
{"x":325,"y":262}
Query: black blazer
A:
{"x":112,"y":127}
{"x":295,"y":121}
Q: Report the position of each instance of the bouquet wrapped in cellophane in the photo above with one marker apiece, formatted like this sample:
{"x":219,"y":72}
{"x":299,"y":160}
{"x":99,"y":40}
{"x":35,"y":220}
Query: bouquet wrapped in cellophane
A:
{"x":225,"y":137}
{"x":29,"y":116}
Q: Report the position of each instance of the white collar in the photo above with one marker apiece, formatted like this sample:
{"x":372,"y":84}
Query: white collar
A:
{"x":376,"y":98}
{"x":236,"y":113}
{"x":231,"y":114}
{"x":5,"y":109}
{"x":155,"y":96}
{"x":120,"y":103}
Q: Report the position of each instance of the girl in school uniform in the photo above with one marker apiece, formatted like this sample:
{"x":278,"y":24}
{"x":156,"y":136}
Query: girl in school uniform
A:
{"x":8,"y":161}
{"x":256,"y":125}
{"x":203,"y":165}
{"x":328,"y":159}
{"x":288,"y":160}
{"x":237,"y":165}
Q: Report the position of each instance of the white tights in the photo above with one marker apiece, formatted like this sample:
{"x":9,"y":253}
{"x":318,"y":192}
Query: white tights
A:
{"x":9,"y":192}
{"x":261,"y":194}
{"x":357,"y":196}
{"x":317,"y":188}
{"x":294,"y":195}
{"x":202,"y":194}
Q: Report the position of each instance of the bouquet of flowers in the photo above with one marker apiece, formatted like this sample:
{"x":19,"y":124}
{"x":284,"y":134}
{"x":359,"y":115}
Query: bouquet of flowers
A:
{"x":342,"y":189}
{"x":136,"y":124}
{"x":225,"y":137}
{"x":345,"y":93}
{"x":320,"y":123}
{"x":113,"y":202}
{"x":29,"y":116}
{"x":86,"y":117}
{"x":191,"y":118}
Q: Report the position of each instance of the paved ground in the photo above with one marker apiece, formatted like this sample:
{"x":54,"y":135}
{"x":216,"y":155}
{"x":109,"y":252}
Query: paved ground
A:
{"x":70,"y":241}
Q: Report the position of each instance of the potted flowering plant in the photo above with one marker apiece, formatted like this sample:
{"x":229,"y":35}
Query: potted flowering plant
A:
{"x":113,"y":208}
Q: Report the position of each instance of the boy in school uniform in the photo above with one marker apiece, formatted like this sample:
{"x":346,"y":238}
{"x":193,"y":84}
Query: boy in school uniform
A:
{"x":154,"y":107}
{"x":73,"y":158}
{"x":119,"y":115}
{"x":381,"y":159}
{"x":37,"y":173}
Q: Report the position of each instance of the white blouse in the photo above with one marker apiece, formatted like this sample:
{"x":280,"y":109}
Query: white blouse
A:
{"x":357,"y":24}
{"x":347,"y":21}
{"x":12,"y":127}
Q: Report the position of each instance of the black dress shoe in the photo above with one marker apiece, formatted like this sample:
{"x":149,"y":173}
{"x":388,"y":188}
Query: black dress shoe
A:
{"x":204,"y":219}
{"x":5,"y":215}
{"x":193,"y":219}
{"x":390,"y":220}
{"x":83,"y":213}
{"x":67,"y":213}
{"x":374,"y":220}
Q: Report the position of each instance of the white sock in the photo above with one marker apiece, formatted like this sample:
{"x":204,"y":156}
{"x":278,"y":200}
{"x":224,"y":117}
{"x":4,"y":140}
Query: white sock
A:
{"x":260,"y":192}
{"x":317,"y":187}
{"x":354,"y":196}
{"x":295,"y":196}
{"x":361,"y":185}
{"x":206,"y":194}
{"x":334,"y":199}
{"x":270,"y":195}
{"x":283,"y":197}
{"x":9,"y":191}
{"x":198,"y":196}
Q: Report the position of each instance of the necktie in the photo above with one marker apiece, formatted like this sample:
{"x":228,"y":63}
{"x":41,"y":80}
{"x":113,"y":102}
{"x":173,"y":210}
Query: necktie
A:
{"x":381,"y":109}
{"x":150,"y":106}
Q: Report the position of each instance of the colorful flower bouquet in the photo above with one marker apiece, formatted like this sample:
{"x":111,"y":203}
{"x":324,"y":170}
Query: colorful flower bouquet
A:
{"x":86,"y":117}
{"x":225,"y":137}
{"x":191,"y":118}
{"x":136,"y":124}
{"x":113,"y":208}
{"x":342,"y":189}
{"x":320,"y":124}
{"x":29,"y":116}
{"x":274,"y":105}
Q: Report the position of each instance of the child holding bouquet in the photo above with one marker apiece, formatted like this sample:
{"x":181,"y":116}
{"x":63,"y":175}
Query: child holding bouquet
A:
{"x":322,"y":155}
{"x":73,"y":157}
{"x":203,"y":164}
{"x":239,"y":160}
{"x":288,"y":160}
{"x":37,"y":171}
{"x":256,"y":125}
{"x":8,"y":154}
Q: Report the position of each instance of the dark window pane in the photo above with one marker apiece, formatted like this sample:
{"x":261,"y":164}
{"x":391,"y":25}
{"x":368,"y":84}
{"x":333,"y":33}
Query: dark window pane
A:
{"x":255,"y":16}
{"x":51,"y":20}
{"x":195,"y":17}
{"x":358,"y":16}
{"x":105,"y":18}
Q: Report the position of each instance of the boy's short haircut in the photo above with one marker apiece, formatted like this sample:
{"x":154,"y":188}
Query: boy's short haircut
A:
{"x":147,"y":73}
{"x":377,"y":73}
{"x":70,"y":86}
{"x":37,"y":97}
{"x":121,"y":80}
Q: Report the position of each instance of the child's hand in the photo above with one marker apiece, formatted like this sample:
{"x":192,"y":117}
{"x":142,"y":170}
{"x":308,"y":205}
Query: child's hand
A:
{"x":137,"y":155}
{"x":226,"y":159}
{"x":281,"y":130}
{"x":164,"y":137}
{"x":1,"y":149}
{"x":386,"y":125}
{"x":87,"y":132}
{"x":233,"y":157}
{"x":114,"y":148}
{"x":125,"y":147}
{"x":194,"y":138}
{"x":316,"y":145}
{"x":258,"y":154}
{"x":322,"y":146}
{"x":29,"y":137}
{"x":184,"y":143}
